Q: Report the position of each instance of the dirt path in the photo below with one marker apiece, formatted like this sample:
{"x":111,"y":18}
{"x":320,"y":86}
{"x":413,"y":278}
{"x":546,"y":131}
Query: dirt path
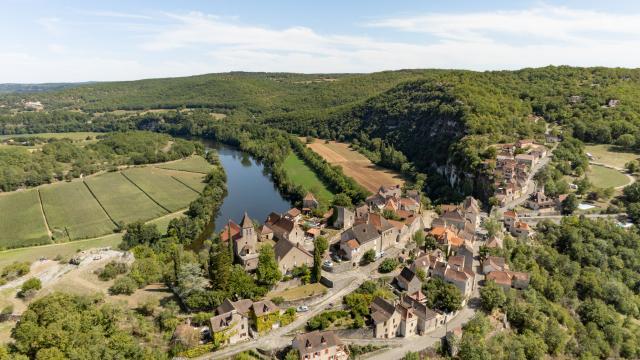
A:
{"x":44,"y":216}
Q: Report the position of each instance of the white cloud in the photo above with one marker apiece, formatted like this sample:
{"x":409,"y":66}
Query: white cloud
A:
{"x":115,"y":14}
{"x":198,"y":43}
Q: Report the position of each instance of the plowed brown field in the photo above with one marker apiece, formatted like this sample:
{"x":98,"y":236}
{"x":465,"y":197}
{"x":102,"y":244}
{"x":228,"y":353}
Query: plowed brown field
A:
{"x":356,"y":165}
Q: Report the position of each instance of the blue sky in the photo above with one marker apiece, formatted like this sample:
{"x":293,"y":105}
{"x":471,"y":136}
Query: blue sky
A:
{"x":53,"y":41}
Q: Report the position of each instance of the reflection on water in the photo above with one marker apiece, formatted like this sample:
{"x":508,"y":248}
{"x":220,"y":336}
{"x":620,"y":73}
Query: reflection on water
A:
{"x":249,"y":188}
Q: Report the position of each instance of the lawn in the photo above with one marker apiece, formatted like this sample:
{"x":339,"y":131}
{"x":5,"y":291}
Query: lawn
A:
{"x":196,"y":164}
{"x":610,"y":155}
{"x":300,"y":292}
{"x":65,"y":250}
{"x":603,"y":177}
{"x":122,"y":200}
{"x":71,"y":209}
{"x":301,"y":174}
{"x":167,"y":191}
{"x":163,"y":222}
{"x":21,"y":220}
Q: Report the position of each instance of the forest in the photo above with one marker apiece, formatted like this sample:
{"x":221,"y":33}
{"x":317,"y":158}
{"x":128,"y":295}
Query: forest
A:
{"x":64,"y":159}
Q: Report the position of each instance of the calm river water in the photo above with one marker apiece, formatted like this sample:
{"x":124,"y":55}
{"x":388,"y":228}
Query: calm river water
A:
{"x":250,"y":188}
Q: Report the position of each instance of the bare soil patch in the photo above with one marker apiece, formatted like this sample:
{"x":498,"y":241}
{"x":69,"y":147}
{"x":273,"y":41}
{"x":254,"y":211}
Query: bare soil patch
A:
{"x":356,"y":165}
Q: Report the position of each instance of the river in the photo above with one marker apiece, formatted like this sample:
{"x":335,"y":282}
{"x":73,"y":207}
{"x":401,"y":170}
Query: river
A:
{"x":249,"y":187}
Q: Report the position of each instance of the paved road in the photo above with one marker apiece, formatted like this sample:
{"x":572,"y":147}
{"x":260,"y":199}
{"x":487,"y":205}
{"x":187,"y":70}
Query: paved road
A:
{"x":557,"y":218}
{"x":279,"y":338}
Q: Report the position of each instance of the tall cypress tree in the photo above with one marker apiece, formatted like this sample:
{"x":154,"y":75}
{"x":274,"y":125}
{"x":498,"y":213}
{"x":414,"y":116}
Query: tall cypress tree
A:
{"x":220,"y":267}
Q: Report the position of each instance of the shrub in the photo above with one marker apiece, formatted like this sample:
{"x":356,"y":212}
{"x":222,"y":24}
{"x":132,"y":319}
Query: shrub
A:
{"x":278,"y":300}
{"x":111,"y":270}
{"x":368,"y":257}
{"x":29,"y":288}
{"x":124,"y":285}
{"x":388,"y":265}
{"x":15,"y":270}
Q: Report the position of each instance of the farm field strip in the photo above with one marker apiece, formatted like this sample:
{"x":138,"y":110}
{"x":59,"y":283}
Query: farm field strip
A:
{"x":356,"y":165}
{"x":300,"y":174}
{"x":194,"y":181}
{"x":610,"y":155}
{"x":196,"y":164}
{"x":26,"y":226}
{"x":122,"y":200}
{"x":165,"y":190}
{"x":71,"y":210}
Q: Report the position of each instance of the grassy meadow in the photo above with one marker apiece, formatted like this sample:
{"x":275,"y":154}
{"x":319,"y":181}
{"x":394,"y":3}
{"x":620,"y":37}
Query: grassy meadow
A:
{"x":604,"y":177}
{"x":21,"y":220}
{"x":72,"y":210}
{"x":610,"y":155}
{"x":123,"y":201}
{"x":164,"y":189}
{"x":301,"y":174}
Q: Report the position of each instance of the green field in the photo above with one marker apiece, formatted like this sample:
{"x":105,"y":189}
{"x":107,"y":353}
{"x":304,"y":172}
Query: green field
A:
{"x":192,"y":180}
{"x":610,"y":155}
{"x":77,"y":136}
{"x":301,"y":174}
{"x":71,"y":209}
{"x":66,"y":250}
{"x":196,"y":164}
{"x":122,"y":200}
{"x":603,"y":177}
{"x":164,"y":189}
{"x":21,"y":220}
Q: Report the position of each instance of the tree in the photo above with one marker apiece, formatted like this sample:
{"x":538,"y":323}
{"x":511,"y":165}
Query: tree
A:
{"x":139,"y":233}
{"x":123,"y":285}
{"x":583,"y":185}
{"x":29,"y":288}
{"x":293,"y":354}
{"x":492,"y":226}
{"x":220,"y":266}
{"x":632,"y":166}
{"x":632,"y":192}
{"x":368,"y":257}
{"x":626,"y":140}
{"x":492,"y":296}
{"x":430,"y":242}
{"x":388,"y":265}
{"x":419,"y":238}
{"x":190,"y":280}
{"x":442,"y":296}
{"x":320,"y":245}
{"x":341,"y":199}
{"x":267,"y":271}
{"x":569,"y":204}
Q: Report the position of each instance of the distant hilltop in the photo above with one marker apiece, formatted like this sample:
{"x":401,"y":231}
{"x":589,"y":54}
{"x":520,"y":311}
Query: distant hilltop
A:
{"x":30,"y":88}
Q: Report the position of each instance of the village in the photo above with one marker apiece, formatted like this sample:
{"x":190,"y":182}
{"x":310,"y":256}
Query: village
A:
{"x":390,"y":226}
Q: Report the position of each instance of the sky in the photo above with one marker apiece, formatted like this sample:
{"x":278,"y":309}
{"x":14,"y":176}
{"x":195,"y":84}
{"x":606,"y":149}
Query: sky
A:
{"x":71,"y":41}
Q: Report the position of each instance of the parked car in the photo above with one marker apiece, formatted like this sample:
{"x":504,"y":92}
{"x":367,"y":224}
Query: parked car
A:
{"x":302,"y":308}
{"x":328,"y":263}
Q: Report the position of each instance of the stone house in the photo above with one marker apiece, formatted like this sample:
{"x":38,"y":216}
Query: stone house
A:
{"x":392,"y":320}
{"x":521,"y":229}
{"x":289,"y":256}
{"x":357,"y":240}
{"x":229,"y":328}
{"x":320,"y":345}
{"x":509,"y":279}
{"x":345,"y":217}
{"x":286,"y":229}
{"x":408,"y":281}
{"x":265,"y":315}
{"x":428,"y":319}
{"x":388,"y":233}
{"x":309,"y":202}
{"x":494,"y":263}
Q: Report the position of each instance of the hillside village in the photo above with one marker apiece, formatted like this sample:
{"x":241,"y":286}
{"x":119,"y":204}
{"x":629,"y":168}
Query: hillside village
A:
{"x":389,"y":226}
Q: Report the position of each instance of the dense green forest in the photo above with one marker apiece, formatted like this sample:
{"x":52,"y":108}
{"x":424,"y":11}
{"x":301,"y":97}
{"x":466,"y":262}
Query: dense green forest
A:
{"x":583,"y":299}
{"x":455,"y":114}
{"x":64,"y":159}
